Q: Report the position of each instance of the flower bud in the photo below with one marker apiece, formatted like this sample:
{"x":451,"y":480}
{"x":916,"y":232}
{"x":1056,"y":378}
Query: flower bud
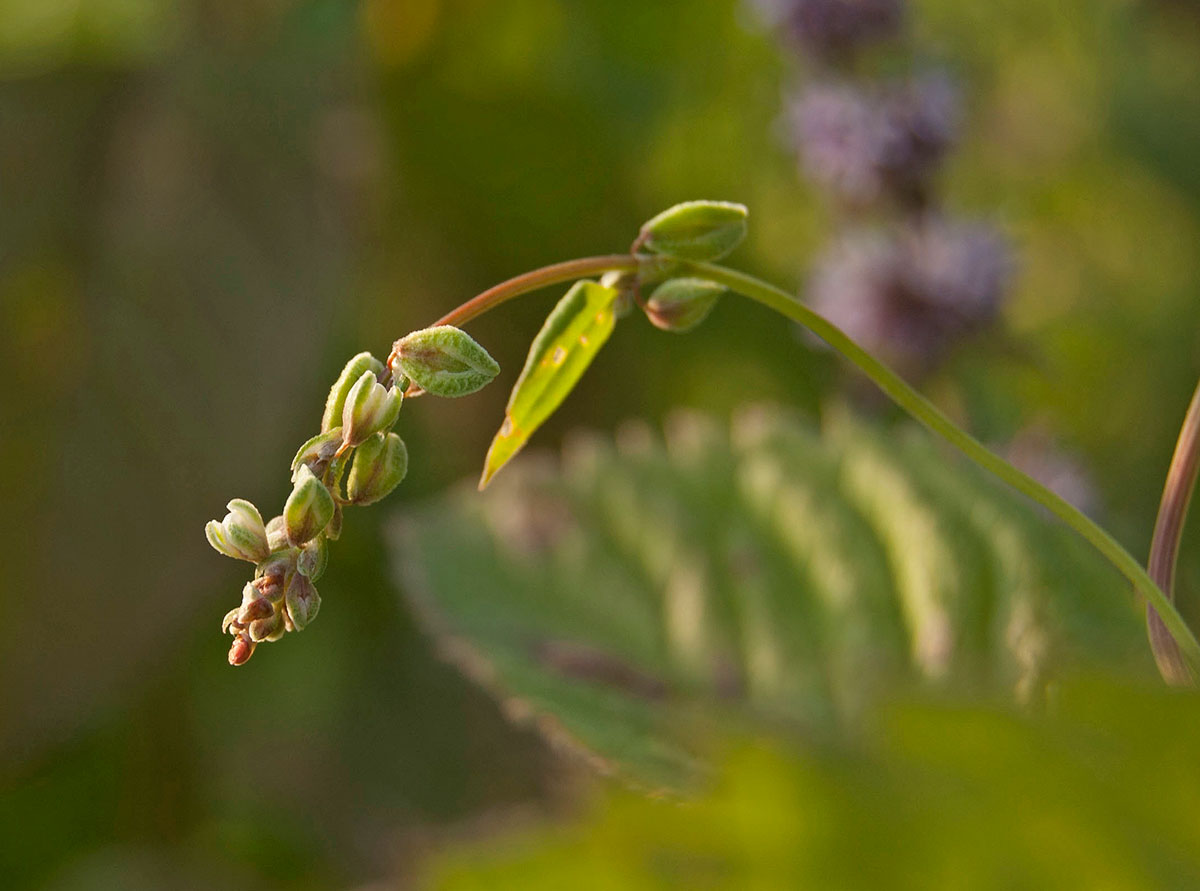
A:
{"x":308,"y":509}
{"x":271,"y":575}
{"x":313,"y":557}
{"x":318,"y":452}
{"x":230,"y":619}
{"x":354,"y":369}
{"x":302,"y":601}
{"x":680,"y":304}
{"x":277,"y":533}
{"x":334,"y":530}
{"x":259,"y":608}
{"x":696,"y":230}
{"x":379,"y":466}
{"x":241,"y":534}
{"x":268,"y":629}
{"x":370,"y":407}
{"x":444,"y":361}
{"x":242,"y":649}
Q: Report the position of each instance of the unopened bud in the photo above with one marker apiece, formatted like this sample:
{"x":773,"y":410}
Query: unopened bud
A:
{"x":230,"y":619}
{"x":308,"y":509}
{"x":380,"y":465}
{"x":259,"y":608}
{"x":241,"y":534}
{"x":277,"y":533}
{"x":242,"y":649}
{"x":313,"y":558}
{"x":268,"y":629}
{"x":445,"y":361}
{"x":334,"y":530}
{"x":370,"y":407}
{"x":696,"y":230}
{"x":340,"y":390}
{"x":681,"y":304}
{"x":302,"y":601}
{"x":271,"y":576}
{"x":318,"y":452}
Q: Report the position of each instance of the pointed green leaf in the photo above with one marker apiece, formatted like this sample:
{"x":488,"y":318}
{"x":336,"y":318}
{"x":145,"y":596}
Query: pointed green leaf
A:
{"x":570,"y":338}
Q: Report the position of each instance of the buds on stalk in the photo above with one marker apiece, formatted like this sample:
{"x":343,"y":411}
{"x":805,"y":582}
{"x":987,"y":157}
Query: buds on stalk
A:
{"x":308,"y":509}
{"x":445,"y":361}
{"x":370,"y":407}
{"x":241,"y":534}
{"x":380,"y":465}
{"x":680,"y":304}
{"x":340,"y":390}
{"x":696,"y":230}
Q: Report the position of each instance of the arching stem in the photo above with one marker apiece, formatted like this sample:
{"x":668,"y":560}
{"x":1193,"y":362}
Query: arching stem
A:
{"x":1183,"y":660}
{"x":1164,"y":549}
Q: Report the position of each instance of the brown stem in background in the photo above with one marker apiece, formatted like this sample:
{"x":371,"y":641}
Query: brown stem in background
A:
{"x":1164,"y":549}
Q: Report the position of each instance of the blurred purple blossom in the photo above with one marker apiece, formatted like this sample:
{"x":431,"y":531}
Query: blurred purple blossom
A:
{"x":864,"y":145}
{"x":835,"y":27}
{"x":911,"y":295}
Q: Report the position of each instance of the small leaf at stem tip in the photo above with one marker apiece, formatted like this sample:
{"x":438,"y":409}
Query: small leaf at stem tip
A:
{"x":680,"y":304}
{"x":445,"y":361}
{"x":696,"y":230}
{"x":336,"y":401}
{"x":570,"y":338}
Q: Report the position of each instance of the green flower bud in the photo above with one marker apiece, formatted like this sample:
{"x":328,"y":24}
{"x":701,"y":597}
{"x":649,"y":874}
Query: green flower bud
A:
{"x":260,"y":608}
{"x":308,"y":509}
{"x":302,"y":602}
{"x":680,"y":304}
{"x":445,"y":361}
{"x":379,"y":466}
{"x":269,"y":629}
{"x":241,"y":534}
{"x":318,"y":452}
{"x":696,"y":230}
{"x":313,"y":557}
{"x":370,"y":407}
{"x":334,"y":530}
{"x":277,"y":533}
{"x":337,"y":393}
{"x":271,"y":576}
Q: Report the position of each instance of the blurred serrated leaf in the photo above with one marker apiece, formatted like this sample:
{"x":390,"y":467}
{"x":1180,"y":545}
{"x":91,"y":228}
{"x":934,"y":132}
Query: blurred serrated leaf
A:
{"x":773,"y":576}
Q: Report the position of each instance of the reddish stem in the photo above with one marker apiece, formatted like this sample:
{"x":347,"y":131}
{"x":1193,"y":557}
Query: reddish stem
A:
{"x":1164,"y":549}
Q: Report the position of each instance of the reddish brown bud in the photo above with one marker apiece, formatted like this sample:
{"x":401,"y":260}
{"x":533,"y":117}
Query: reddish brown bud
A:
{"x":241,"y":651}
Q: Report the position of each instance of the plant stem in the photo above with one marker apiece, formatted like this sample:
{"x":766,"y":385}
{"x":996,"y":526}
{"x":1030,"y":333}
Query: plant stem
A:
{"x":929,"y":415}
{"x":1164,"y":548}
{"x":904,"y":396}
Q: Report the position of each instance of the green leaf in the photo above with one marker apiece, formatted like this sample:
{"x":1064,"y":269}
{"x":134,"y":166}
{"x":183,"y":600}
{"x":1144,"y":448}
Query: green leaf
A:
{"x":570,"y":338}
{"x":1100,"y":794}
{"x":771,"y":576}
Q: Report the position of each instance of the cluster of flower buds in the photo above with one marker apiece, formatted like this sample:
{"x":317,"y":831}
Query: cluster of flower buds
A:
{"x":355,"y":460}
{"x":918,"y":282}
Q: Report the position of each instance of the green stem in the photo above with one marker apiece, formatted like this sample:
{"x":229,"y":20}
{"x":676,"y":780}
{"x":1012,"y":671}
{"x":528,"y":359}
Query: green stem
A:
{"x":929,"y":415}
{"x":1164,"y":548}
{"x":886,"y":379}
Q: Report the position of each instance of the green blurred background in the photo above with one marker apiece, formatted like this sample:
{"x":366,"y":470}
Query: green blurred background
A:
{"x":206,"y":206}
